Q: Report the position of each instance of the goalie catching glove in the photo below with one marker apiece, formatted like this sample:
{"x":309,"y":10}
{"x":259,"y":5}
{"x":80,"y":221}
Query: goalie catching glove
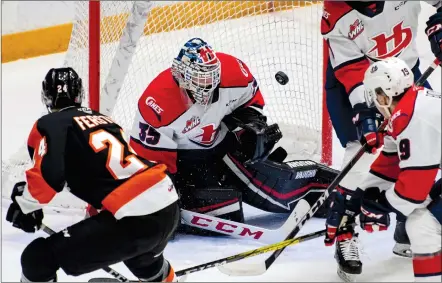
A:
{"x":251,"y":129}
{"x":30,"y":222}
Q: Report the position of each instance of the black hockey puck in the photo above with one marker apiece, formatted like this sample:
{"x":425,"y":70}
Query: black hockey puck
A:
{"x":281,"y":78}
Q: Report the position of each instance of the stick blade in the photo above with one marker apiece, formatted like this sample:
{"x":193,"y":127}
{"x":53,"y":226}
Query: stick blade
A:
{"x":258,"y":268}
{"x":243,"y":269}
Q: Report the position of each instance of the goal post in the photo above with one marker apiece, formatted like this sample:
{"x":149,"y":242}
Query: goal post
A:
{"x":119,"y":47}
{"x":326,"y":126}
{"x":94,"y":55}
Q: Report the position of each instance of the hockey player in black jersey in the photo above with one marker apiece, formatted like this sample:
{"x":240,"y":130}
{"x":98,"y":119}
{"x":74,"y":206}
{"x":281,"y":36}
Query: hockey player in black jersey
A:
{"x":86,"y":150}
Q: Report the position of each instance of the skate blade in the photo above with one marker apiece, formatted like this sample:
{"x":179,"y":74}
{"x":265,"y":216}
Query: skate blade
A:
{"x":346,"y":277}
{"x":402,"y":250}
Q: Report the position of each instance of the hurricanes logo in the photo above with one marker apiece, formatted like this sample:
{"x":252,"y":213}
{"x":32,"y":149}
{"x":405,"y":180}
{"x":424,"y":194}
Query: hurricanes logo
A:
{"x":391,"y":45}
{"x":151,"y":102}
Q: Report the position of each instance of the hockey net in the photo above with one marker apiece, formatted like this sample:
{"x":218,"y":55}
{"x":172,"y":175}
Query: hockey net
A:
{"x":119,"y":47}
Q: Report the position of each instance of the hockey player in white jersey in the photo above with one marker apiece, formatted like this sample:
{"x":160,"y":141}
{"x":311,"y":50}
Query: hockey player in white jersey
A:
{"x":401,"y":180}
{"x":203,"y":118}
{"x":359,"y":33}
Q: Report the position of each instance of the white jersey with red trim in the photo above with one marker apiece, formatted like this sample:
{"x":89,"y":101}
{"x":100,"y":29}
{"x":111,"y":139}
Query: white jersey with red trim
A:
{"x":359,"y":36}
{"x":411,"y":155}
{"x":167,"y":121}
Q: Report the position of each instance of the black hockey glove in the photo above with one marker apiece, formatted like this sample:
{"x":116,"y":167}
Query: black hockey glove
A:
{"x":375,"y":211}
{"x":256,"y":137}
{"x":264,"y":138}
{"x":343,"y":203}
{"x":30,"y":222}
{"x":434,"y":33}
{"x":367,"y":120}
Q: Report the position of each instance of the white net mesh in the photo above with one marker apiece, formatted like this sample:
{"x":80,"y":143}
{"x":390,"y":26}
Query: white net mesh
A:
{"x":268,"y":36}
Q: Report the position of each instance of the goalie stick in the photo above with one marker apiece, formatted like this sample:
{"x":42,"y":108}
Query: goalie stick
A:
{"x":261,"y":267}
{"x":242,"y":230}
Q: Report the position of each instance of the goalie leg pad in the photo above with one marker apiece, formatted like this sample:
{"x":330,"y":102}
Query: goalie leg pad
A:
{"x":38,"y":262}
{"x":277,"y":187}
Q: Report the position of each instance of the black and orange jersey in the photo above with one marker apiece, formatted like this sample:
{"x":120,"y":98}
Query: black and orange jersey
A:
{"x":87,"y":151}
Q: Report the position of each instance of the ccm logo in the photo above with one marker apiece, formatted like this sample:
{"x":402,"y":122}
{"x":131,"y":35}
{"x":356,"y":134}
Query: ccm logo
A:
{"x":206,"y":267}
{"x":370,"y":214}
{"x":226,"y":227}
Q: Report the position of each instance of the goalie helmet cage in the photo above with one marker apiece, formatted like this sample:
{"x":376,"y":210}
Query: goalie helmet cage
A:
{"x":119,"y":47}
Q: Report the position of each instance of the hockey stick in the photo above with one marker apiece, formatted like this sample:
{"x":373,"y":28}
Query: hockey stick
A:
{"x":301,"y":209}
{"x":428,"y":71}
{"x":242,"y":230}
{"x":261,"y":267}
{"x":252,"y":253}
{"x":109,"y":270}
{"x":237,"y":257}
{"x":222,"y":226}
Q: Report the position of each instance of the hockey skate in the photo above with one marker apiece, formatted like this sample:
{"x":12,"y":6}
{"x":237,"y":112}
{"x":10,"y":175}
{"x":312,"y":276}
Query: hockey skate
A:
{"x":402,"y":246}
{"x":347,"y":253}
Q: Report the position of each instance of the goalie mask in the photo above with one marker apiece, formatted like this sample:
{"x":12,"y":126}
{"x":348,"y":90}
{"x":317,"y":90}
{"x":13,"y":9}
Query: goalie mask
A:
{"x":62,"y":87}
{"x":390,"y":77}
{"x":197,"y":70}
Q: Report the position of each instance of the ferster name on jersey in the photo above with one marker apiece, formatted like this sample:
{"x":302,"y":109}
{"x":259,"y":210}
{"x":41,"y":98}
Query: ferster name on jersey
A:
{"x":91,"y":121}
